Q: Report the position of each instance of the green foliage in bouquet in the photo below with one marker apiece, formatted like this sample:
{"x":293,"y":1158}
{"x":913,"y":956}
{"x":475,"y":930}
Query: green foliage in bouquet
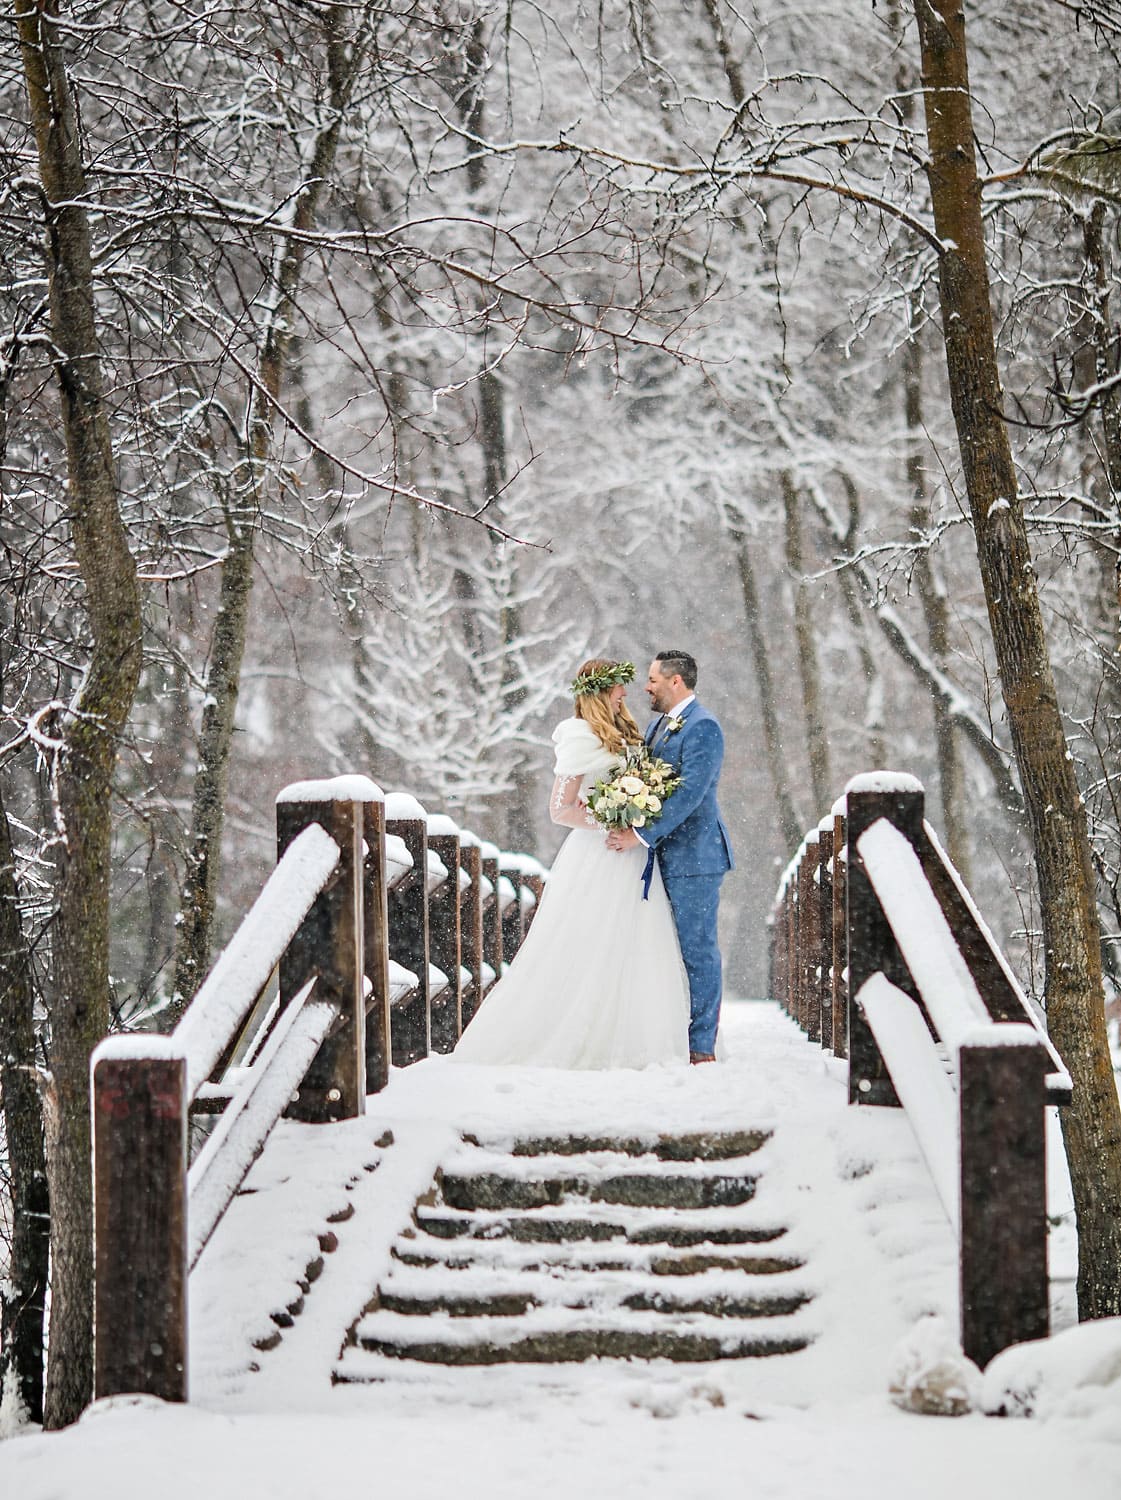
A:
{"x":633,"y":795}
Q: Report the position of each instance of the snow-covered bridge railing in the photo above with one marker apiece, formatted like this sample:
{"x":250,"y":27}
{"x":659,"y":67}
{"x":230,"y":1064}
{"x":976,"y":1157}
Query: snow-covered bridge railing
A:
{"x":385,"y":927}
{"x":879,"y":953}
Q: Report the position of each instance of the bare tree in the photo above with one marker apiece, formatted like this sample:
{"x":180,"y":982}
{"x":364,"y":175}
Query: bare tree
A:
{"x":1072,"y":940}
{"x":89,"y":728}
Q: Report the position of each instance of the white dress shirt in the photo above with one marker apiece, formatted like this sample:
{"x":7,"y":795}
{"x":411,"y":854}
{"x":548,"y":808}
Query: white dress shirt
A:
{"x":671,"y":713}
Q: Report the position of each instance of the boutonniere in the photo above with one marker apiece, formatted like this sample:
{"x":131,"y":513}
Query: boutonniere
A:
{"x":673,"y":723}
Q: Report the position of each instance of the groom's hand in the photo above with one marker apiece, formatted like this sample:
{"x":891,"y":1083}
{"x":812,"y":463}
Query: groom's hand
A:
{"x":623,"y":838}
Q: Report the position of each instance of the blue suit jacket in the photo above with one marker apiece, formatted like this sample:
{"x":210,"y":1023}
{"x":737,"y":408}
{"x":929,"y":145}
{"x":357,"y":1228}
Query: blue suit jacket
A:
{"x":690,"y":837}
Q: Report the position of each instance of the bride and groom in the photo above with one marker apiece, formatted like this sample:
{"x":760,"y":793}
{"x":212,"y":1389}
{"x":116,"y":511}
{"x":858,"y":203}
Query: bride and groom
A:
{"x":621,"y":967}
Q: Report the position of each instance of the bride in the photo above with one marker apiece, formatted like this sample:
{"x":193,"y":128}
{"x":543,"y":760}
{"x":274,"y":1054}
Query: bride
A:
{"x":598,"y":981}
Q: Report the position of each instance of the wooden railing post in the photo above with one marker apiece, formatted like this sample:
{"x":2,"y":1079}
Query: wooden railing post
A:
{"x":791,"y":945}
{"x":408,"y":925}
{"x":471,"y":924}
{"x":840,"y":990}
{"x":535,"y":880}
{"x":140,"y":1217}
{"x":375,"y":907}
{"x":799,"y":938}
{"x":512,"y":918}
{"x":492,"y":913}
{"x":811,"y":942}
{"x":1004,"y":1283}
{"x":871,"y":946}
{"x":329,"y":946}
{"x":445,"y":934}
{"x":825,"y":932}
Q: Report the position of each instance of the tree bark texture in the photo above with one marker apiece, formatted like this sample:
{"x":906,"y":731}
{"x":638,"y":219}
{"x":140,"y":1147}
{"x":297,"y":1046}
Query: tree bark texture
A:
{"x":935,"y":607}
{"x":22,"y":1297}
{"x":92,"y":728}
{"x":345,"y":62}
{"x":520,"y":809}
{"x":816,"y":741}
{"x":855,"y":608}
{"x":789,"y":822}
{"x":1075,"y":1005}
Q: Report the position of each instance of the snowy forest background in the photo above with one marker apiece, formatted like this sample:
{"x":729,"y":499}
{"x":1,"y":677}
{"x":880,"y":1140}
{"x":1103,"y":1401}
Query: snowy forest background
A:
{"x":467,"y":412}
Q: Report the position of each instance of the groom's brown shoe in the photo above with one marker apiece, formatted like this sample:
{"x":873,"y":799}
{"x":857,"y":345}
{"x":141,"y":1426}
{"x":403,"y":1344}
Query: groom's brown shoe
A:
{"x":700,"y":1057}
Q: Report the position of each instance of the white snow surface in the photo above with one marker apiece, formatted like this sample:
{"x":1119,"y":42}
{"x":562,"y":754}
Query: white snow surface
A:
{"x":922,"y":932}
{"x":437,"y":870}
{"x":333,"y":789}
{"x":404,"y":805}
{"x":861,"y":1210}
{"x":441,"y":826}
{"x":398,"y":859}
{"x":243,"y":967}
{"x":136,"y":1046}
{"x":883,"y":781}
{"x":920,"y":1080}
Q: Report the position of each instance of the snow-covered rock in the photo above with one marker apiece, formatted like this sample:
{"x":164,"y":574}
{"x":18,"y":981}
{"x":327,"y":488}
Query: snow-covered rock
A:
{"x":930,"y":1374}
{"x":1074,"y":1373}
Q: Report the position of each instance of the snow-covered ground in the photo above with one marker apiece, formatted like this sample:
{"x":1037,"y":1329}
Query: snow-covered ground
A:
{"x":861,"y":1210}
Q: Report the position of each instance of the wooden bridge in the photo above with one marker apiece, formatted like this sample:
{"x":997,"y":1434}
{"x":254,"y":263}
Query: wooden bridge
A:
{"x":544,"y":1222}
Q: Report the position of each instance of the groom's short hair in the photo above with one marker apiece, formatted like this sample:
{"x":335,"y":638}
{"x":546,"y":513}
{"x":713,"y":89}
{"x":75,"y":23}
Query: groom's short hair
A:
{"x":679,"y":664}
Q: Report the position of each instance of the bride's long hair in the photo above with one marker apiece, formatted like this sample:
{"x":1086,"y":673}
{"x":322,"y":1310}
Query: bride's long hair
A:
{"x":613,"y":730}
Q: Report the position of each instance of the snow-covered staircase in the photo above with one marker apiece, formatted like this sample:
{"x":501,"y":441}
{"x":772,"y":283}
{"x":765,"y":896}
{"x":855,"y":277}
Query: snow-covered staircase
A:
{"x":569,"y":1248}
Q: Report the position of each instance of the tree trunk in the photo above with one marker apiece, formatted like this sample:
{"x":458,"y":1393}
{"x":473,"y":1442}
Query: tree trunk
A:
{"x":816,"y":738}
{"x":22,"y":1295}
{"x":91,"y":730}
{"x":1105,"y":370}
{"x":520,"y":816}
{"x":789,"y":823}
{"x":1075,"y":1006}
{"x":200,"y":887}
{"x":874,"y":707}
{"x":935,"y":606}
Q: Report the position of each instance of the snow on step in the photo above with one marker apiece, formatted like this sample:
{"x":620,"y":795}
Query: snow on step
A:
{"x":588,"y":1248}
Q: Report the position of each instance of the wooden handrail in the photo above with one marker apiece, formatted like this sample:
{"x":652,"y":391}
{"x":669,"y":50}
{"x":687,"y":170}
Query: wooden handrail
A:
{"x":349,"y":908}
{"x":212,"y":1021}
{"x":878,"y":949}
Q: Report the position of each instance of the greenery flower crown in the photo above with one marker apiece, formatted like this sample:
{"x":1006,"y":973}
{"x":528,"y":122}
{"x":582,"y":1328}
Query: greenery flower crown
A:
{"x":604,"y":678}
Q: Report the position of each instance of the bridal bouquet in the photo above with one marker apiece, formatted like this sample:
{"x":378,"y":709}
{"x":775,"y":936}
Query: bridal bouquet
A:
{"x":633,"y":795}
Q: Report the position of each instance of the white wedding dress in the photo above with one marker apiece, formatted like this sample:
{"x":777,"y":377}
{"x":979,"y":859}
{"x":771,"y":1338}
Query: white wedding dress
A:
{"x":598,"y":981}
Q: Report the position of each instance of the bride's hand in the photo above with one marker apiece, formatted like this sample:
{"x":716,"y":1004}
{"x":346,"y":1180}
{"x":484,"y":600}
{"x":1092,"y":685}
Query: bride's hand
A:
{"x":620,"y":839}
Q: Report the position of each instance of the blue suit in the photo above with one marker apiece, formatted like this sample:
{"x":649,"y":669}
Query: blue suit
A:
{"x":690,"y":842}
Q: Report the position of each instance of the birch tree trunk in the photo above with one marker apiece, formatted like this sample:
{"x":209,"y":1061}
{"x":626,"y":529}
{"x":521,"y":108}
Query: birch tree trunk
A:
{"x":90,"y":730}
{"x":1075,"y":1005}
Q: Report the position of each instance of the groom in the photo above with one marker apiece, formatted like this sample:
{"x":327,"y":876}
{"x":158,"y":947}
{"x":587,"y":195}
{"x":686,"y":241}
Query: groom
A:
{"x":689,"y":839}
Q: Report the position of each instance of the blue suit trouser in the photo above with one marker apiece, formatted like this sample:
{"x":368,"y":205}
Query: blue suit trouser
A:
{"x":695,"y":900}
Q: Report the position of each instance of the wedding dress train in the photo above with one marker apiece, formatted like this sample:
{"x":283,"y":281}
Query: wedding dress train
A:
{"x":598,"y":981}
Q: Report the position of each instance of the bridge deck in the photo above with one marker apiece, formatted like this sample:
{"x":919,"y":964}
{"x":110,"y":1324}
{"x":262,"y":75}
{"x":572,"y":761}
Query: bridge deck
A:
{"x":865,"y":1246}
{"x":327,"y":1205}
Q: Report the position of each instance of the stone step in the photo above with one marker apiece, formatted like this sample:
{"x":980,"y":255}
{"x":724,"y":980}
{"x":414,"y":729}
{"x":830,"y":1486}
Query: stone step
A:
{"x":540,"y":1228}
{"x":511,"y":1304}
{"x":425,"y":1252}
{"x":470,"y":1191}
{"x":521,"y":1344}
{"x":709,"y":1145}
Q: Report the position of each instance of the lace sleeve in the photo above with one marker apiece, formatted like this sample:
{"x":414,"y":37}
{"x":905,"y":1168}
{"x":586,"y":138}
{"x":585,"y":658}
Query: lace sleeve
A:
{"x":565,"y":806}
